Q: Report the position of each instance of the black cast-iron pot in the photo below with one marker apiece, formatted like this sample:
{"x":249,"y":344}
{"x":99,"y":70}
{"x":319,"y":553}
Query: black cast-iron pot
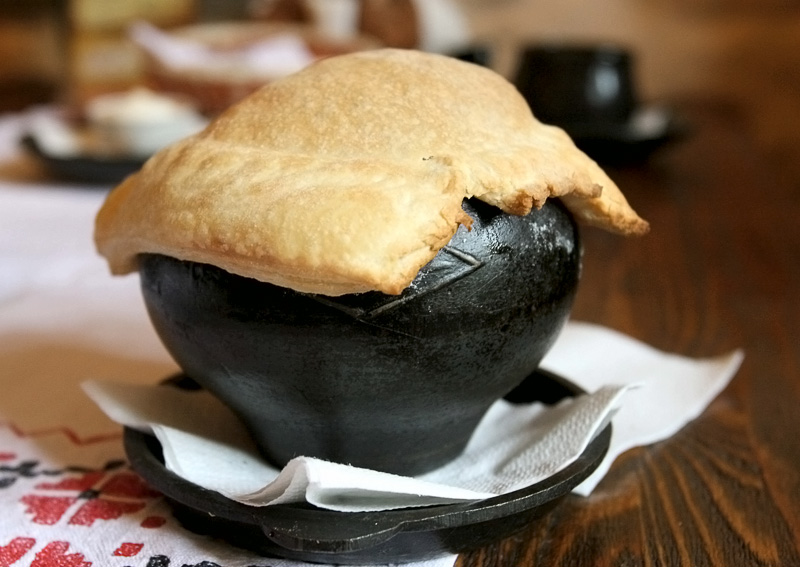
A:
{"x":391,"y":383}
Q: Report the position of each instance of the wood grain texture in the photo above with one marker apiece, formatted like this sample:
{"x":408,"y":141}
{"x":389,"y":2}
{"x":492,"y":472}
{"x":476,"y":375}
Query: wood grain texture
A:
{"x":720,"y":270}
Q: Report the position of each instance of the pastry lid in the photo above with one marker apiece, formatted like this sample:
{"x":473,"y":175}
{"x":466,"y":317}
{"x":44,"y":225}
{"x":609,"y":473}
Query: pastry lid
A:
{"x":349,"y":175}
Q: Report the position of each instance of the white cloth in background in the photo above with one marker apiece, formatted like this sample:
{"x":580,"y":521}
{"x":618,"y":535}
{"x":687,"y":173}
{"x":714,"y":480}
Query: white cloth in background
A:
{"x":442,"y":25}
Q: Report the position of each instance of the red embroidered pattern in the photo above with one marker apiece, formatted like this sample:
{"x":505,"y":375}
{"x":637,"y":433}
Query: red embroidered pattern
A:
{"x":99,"y":495}
{"x":68,"y":498}
{"x":11,"y":553}
{"x":55,"y":555}
{"x":68,"y":433}
{"x":128,"y":549}
{"x":47,"y":510}
{"x":152,"y":522}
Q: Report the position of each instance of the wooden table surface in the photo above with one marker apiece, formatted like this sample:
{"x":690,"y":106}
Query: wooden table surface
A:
{"x":719,"y":271}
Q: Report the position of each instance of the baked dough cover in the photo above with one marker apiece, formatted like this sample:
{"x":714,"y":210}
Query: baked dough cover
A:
{"x":349,"y":176}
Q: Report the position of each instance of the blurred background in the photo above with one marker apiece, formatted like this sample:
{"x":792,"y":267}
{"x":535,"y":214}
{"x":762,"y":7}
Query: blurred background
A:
{"x":743,"y":54}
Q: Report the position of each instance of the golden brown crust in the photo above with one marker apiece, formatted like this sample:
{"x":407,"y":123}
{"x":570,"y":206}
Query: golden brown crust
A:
{"x":349,"y":176}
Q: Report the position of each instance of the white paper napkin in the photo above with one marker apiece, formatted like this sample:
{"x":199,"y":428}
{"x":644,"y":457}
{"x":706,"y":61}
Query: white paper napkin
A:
{"x":674,"y":389}
{"x":514,"y":446}
{"x":203,"y":442}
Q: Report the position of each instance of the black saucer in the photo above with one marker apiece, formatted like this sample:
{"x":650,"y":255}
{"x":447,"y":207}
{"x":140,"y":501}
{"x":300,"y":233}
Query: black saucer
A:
{"x":303,"y":532}
{"x":648,"y":129}
{"x":84,"y":168}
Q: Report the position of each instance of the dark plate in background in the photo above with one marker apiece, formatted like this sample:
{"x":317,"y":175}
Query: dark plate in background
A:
{"x":83,"y":169}
{"x":649,"y":129}
{"x":303,"y":532}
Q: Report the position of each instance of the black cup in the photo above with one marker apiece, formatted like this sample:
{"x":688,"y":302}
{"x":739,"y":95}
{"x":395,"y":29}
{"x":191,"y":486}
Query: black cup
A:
{"x":576,"y":85}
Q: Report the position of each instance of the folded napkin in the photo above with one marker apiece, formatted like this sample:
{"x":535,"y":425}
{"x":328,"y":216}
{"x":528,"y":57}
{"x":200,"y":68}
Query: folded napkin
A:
{"x":674,"y":389}
{"x":202,"y":441}
{"x":513,"y":447}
